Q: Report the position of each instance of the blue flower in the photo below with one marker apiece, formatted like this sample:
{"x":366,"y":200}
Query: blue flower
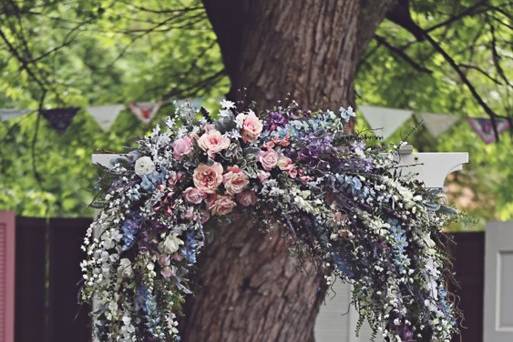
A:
{"x":146,"y":302}
{"x":342,"y":265}
{"x":347,"y":114}
{"x":190,"y":247}
{"x":151,"y":180}
{"x":130,"y":227}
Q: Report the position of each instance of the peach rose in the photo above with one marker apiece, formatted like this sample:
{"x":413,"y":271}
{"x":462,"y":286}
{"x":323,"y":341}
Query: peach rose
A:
{"x":222,"y":205}
{"x":235,"y":180}
{"x":182,"y":147}
{"x":269,"y":144}
{"x":247,"y":198}
{"x":251,"y":127}
{"x":282,"y":142}
{"x":194,"y":195}
{"x":208,"y":177}
{"x":268,"y":159}
{"x":213,"y":142}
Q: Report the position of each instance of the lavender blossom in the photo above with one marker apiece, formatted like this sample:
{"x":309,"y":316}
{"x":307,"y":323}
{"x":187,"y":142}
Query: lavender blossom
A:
{"x":275,"y":120}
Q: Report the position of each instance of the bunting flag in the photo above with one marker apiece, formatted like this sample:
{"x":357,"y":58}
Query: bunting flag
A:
{"x":145,"y":111}
{"x":194,"y":102}
{"x":60,"y":118}
{"x":437,"y":124}
{"x":6,"y":114}
{"x":385,"y":121}
{"x":105,"y":115}
{"x":484,"y":128}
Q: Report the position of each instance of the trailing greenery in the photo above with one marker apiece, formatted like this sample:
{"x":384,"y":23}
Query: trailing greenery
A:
{"x":340,"y":201}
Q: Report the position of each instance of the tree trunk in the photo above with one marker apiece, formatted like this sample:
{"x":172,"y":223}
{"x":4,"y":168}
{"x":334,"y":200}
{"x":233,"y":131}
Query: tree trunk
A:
{"x":252,"y":289}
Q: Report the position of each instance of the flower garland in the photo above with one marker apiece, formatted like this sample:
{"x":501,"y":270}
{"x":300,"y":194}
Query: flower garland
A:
{"x":345,"y":203}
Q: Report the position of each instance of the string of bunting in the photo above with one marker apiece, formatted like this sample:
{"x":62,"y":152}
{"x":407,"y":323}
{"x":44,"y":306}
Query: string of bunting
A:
{"x":105,"y":115}
{"x":484,"y":128}
{"x":383,"y":121}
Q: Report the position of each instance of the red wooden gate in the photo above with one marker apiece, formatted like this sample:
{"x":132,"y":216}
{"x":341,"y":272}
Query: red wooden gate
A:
{"x":7,"y":263}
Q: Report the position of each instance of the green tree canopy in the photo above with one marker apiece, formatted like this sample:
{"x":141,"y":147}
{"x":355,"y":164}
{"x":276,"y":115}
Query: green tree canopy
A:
{"x":447,"y":57}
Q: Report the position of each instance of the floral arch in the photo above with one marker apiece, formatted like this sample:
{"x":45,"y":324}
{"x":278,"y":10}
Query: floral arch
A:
{"x":343,"y":202}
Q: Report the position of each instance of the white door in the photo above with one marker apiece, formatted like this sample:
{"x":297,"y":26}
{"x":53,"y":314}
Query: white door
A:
{"x":337,"y":319}
{"x":498,"y":312}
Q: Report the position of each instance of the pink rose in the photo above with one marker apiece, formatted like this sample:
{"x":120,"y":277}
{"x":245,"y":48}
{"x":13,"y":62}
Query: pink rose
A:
{"x":263,"y":176}
{"x":182,"y":147}
{"x":211,"y":198}
{"x":208,"y":177}
{"x":292,"y":172}
{"x":222,"y":205}
{"x":235,"y":180}
{"x":251,"y":127}
{"x":247,"y":198}
{"x":174,"y":178}
{"x":285,"y":163}
{"x":194,"y":195}
{"x":213,"y":142}
{"x":188,"y":214}
{"x":209,"y":127}
{"x":305,"y":179}
{"x":268,"y":159}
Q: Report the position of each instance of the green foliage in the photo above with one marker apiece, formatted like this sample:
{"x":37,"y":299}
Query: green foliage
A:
{"x":387,"y":78}
{"x":118,"y":52}
{"x":100,"y":52}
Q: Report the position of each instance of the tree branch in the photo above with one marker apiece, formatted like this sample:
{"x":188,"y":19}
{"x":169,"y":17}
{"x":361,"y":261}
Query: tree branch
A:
{"x":23,"y":63}
{"x":496,"y":57}
{"x":477,"y":8}
{"x":400,"y":16}
{"x":448,"y":58}
{"x":372,"y":13}
{"x":403,"y":55}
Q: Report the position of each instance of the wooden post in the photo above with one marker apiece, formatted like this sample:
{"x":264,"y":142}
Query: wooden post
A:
{"x":7,"y":274}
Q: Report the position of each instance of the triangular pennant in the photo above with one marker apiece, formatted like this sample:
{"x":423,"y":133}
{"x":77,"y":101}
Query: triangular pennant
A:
{"x":484,"y":128}
{"x":6,"y":114}
{"x":437,"y":124}
{"x":194,"y":102}
{"x":105,"y":115}
{"x":385,"y":121}
{"x":145,"y":111}
{"x":60,"y":118}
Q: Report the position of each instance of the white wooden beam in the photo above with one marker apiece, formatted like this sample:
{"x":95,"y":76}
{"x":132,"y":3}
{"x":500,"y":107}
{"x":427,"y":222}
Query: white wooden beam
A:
{"x":432,"y":167}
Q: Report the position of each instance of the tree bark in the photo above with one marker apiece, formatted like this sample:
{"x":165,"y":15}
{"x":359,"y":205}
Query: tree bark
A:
{"x":252,"y":289}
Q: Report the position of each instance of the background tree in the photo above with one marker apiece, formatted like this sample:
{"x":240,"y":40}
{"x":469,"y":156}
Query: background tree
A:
{"x":445,"y":56}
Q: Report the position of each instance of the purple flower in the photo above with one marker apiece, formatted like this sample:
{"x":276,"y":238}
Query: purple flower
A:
{"x":275,"y":120}
{"x":316,"y":148}
{"x":406,"y":333}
